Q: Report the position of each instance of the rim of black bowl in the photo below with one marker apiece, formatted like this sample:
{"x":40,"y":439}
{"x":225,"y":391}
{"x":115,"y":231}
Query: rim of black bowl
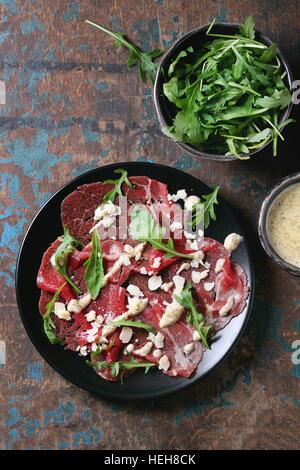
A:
{"x":172,"y":53}
{"x":283,"y":184}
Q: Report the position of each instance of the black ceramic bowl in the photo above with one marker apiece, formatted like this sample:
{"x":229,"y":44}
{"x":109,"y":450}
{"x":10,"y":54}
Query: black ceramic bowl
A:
{"x":166,"y":110}
{"x":263,"y":218}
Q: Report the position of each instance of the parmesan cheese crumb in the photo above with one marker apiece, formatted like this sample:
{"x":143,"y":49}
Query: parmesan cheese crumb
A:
{"x":188,"y":348}
{"x":164,"y":363}
{"x":208,"y":286}
{"x":190,"y":202}
{"x":126,"y":334}
{"x":134,"y":291}
{"x":197,"y":276}
{"x":144,"y":350}
{"x":91,"y":315}
{"x":154,"y":282}
{"x":61,"y":312}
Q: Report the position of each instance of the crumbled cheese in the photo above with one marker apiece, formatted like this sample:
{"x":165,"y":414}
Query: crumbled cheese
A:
{"x":83,"y":350}
{"x":61,"y":312}
{"x":193,"y":244}
{"x":52,"y":260}
{"x":76,"y":305}
{"x":98,"y":321}
{"x":196,"y":336}
{"x":225,"y":309}
{"x":188,"y":348}
{"x":176,"y":226}
{"x":232,"y":241}
{"x":157,"y":340}
{"x":134,"y":291}
{"x":166,"y":286}
{"x":157,"y":262}
{"x":154,"y":282}
{"x":144,"y":350}
{"x":106,"y":215}
{"x":190,"y":202}
{"x":134,"y":307}
{"x":164,"y":363}
{"x":197,"y":259}
{"x":108,"y":209}
{"x":135,"y":251}
{"x":219,"y":265}
{"x":157,"y":353}
{"x":143,"y":270}
{"x":181,"y":194}
{"x":197,"y":276}
{"x":179,"y":283}
{"x":91,"y":315}
{"x":183,"y":267}
{"x":129,"y":348}
{"x":95,"y":346}
{"x":208,"y":286}
{"x":189,"y":235}
{"x":92,"y":335}
{"x":124,"y":260}
{"x":126,"y":334}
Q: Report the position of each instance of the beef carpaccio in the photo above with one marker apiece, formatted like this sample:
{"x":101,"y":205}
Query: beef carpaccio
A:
{"x":141,"y":314}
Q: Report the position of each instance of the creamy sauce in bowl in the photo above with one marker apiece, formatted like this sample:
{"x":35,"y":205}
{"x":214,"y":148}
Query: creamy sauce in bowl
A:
{"x":283,"y":225}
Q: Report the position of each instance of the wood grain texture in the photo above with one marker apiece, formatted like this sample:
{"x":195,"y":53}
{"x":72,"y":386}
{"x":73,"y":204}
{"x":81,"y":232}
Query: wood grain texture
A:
{"x":72,"y":105}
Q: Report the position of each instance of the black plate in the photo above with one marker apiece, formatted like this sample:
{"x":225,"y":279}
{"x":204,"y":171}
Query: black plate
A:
{"x":46,"y":227}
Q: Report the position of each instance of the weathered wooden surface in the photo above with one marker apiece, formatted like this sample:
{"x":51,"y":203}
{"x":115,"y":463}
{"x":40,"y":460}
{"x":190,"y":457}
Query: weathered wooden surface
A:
{"x":72,"y":105}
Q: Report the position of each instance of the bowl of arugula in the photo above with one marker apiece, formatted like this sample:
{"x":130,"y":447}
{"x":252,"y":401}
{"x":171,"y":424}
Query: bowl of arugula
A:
{"x":222,"y":92}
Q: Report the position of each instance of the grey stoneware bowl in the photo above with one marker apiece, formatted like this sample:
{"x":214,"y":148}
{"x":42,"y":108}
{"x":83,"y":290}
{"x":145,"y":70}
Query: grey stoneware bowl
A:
{"x":166,"y":110}
{"x":263,"y":217}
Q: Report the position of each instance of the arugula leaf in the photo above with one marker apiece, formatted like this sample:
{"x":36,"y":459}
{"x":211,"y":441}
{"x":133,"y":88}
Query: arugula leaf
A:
{"x":279,"y":99}
{"x":102,"y":348}
{"x":133,"y":323}
{"x":111,"y":195}
{"x":268,"y":54}
{"x":247,"y":29}
{"x":207,"y":211}
{"x":94,"y":271}
{"x":48,"y":323}
{"x":61,"y":256}
{"x":142,"y":228}
{"x":118,"y":366}
{"x":144,"y":60}
{"x":196,"y":319}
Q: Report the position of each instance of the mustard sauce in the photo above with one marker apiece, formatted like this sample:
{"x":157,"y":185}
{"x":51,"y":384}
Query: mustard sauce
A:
{"x":283,"y":225}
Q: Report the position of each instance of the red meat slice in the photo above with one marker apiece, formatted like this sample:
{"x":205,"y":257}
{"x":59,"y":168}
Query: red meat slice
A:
{"x":77,"y":209}
{"x":175,"y":338}
{"x":231,"y":281}
{"x":64,"y":329}
{"x":49,"y":279}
